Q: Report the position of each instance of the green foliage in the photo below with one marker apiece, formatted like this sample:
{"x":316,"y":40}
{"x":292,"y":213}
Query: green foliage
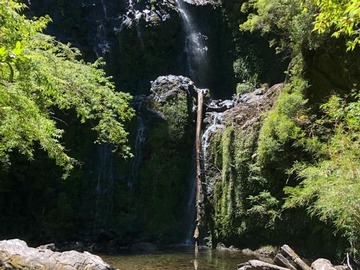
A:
{"x":232,"y":152}
{"x":286,"y":19}
{"x":177,"y":116}
{"x":330,"y":187}
{"x":164,"y":175}
{"x":340,"y":18}
{"x":38,"y":77}
{"x":282,"y":124}
{"x":243,"y":73}
{"x":293,"y":20}
{"x":264,"y":209}
{"x":242,"y":88}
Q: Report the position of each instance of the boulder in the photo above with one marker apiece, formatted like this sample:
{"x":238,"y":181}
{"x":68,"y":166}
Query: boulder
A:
{"x":168,"y":87}
{"x":15,"y":254}
{"x":322,"y":264}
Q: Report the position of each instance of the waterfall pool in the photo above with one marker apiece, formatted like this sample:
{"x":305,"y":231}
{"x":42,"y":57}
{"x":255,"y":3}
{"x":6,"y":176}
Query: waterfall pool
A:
{"x":183,"y":259}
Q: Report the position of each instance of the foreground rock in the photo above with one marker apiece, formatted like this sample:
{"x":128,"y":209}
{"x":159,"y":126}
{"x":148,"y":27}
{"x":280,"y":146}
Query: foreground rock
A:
{"x":15,"y":254}
{"x":287,"y":259}
{"x":322,"y":264}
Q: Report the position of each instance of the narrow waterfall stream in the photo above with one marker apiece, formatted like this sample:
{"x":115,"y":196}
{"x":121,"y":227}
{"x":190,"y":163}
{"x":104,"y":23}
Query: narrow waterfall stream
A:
{"x":104,"y":9}
{"x":215,"y":119}
{"x":104,"y":189}
{"x":140,"y":106}
{"x":190,"y":214}
{"x":197,"y":64}
{"x":195,"y":47}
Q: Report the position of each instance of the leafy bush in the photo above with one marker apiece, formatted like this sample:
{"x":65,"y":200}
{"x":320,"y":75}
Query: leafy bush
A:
{"x":246,"y":87}
{"x":330,"y":187}
{"x":282,"y":124}
{"x":38,"y":76}
{"x":340,"y":18}
{"x":285,"y":19}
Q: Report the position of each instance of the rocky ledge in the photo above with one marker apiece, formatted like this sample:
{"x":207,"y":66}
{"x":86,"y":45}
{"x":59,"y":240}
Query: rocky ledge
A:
{"x":15,"y":254}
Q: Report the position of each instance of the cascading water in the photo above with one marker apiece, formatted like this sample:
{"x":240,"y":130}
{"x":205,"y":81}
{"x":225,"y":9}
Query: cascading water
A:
{"x":197,"y":67}
{"x":104,"y":168}
{"x":215,"y":120}
{"x":131,"y":19}
{"x":104,"y":186}
{"x":139,"y":104}
{"x":104,"y":9}
{"x":190,"y":206}
{"x":103,"y":45}
{"x":195,"y":47}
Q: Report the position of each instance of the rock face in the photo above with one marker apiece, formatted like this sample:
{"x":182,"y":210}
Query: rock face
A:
{"x":15,"y":254}
{"x":141,"y":40}
{"x":167,"y":163}
{"x":166,"y":88}
{"x":229,"y":146}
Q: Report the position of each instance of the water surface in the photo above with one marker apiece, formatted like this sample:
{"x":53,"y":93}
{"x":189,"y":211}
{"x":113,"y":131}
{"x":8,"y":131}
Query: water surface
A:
{"x":179,"y":260}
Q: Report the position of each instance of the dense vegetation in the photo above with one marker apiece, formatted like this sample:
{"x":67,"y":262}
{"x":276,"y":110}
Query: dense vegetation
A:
{"x":39,"y":76}
{"x":44,"y":87}
{"x":302,"y":168}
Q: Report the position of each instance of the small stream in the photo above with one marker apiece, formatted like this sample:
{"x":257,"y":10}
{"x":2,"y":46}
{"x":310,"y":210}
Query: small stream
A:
{"x":179,"y":260}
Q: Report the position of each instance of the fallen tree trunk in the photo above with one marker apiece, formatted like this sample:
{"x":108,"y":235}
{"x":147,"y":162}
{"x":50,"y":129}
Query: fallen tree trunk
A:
{"x":282,"y":261}
{"x":289,"y":260}
{"x":259,"y":265}
{"x":198,"y":179}
{"x":288,"y":252}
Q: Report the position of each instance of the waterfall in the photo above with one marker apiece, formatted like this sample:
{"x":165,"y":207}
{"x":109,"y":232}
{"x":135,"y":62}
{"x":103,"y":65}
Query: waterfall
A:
{"x":104,"y":9}
{"x":197,"y":66}
{"x":139,"y":141}
{"x":140,"y":106}
{"x":190,"y":206}
{"x":195,"y":47}
{"x":103,"y":45}
{"x":215,"y":119}
{"x":104,"y":186}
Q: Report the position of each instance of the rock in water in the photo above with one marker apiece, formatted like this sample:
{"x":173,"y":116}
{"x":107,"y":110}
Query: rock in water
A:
{"x":15,"y":254}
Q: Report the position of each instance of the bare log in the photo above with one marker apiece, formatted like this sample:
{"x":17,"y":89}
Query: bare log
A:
{"x":288,"y":252}
{"x":256,"y":264}
{"x":282,"y":261}
{"x":199,"y":120}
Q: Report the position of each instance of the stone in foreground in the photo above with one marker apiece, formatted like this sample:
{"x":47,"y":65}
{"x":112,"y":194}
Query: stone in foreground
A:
{"x":15,"y":254}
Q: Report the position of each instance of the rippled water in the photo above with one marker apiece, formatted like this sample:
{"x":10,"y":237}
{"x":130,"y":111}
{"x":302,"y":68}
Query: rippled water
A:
{"x":179,"y":260}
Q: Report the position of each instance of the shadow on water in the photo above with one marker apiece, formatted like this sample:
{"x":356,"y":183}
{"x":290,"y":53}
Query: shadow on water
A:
{"x":179,"y":258}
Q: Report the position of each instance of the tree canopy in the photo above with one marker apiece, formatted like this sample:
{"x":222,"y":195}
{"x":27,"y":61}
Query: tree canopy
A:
{"x":295,"y":20}
{"x":40,"y":76}
{"x":341,"y":18}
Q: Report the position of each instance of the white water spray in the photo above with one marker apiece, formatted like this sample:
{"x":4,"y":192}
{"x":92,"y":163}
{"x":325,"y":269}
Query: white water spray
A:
{"x":212,"y":128}
{"x":104,"y":9}
{"x":140,"y":105}
{"x":104,"y":186}
{"x":195,"y":47}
